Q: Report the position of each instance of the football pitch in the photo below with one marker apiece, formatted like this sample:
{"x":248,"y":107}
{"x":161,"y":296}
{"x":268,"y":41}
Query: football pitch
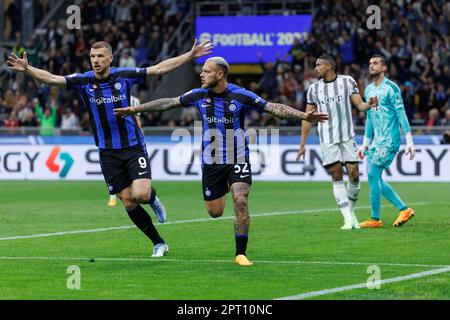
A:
{"x":298,"y":249}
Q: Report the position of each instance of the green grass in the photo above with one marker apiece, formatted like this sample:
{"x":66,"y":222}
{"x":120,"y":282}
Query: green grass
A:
{"x":289,"y":250}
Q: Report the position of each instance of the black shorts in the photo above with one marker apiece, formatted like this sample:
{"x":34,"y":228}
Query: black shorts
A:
{"x":121,"y":166}
{"x":217,"y":178}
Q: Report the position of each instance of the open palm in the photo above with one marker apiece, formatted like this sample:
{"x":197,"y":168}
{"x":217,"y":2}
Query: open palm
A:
{"x":202,"y":49}
{"x":17,"y":64}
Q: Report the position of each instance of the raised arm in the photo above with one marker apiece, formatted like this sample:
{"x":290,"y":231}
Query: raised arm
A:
{"x":168,"y":65}
{"x":285,"y":112}
{"x":159,"y":105}
{"x":21,"y":65}
{"x":306,"y":129}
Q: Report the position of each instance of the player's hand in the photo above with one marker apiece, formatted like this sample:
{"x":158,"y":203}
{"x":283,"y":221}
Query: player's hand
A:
{"x":373,"y":102}
{"x":411,"y":151}
{"x":361,"y":153}
{"x":301,"y":153}
{"x":122,"y":112}
{"x":17,"y":64}
{"x":202,"y":49}
{"x":313,"y":116}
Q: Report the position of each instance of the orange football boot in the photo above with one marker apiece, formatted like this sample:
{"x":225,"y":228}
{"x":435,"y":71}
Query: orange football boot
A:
{"x":371,"y":224}
{"x":403,"y":216}
{"x":242,"y":260}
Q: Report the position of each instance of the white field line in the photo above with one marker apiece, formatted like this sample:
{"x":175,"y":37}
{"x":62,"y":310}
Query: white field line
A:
{"x":364,"y":285}
{"x":267,"y":214}
{"x":331,"y":263}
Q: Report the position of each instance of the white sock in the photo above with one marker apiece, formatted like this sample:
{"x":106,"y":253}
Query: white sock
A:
{"x":353,"y":194}
{"x":340,"y":194}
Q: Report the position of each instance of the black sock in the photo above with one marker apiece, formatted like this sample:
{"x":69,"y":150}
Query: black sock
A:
{"x":152,"y":196}
{"x":241,"y":243}
{"x":143,"y":221}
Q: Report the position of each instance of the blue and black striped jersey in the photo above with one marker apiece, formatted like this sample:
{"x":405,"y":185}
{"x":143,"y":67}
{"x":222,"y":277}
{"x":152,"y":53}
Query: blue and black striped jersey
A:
{"x":223,"y":138}
{"x":101,"y":97}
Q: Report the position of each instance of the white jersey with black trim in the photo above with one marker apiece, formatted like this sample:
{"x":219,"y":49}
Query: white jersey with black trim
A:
{"x":333,"y":97}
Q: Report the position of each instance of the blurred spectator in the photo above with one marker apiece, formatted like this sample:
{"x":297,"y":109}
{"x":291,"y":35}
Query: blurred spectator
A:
{"x":268,"y":82}
{"x":69,"y":120}
{"x":446,"y":120}
{"x":433,"y":118}
{"x":126,"y":60}
{"x":446,"y":137}
{"x":46,"y":119}
{"x":297,"y":52}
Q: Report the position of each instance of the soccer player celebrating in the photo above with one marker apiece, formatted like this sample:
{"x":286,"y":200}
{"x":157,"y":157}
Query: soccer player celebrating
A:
{"x":335,"y":94}
{"x":134,"y":101}
{"x":123,"y":156}
{"x":225,"y":154}
{"x":383,"y":128}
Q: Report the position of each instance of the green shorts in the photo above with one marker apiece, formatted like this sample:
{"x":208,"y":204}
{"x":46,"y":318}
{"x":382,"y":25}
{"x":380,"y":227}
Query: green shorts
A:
{"x":381,"y":156}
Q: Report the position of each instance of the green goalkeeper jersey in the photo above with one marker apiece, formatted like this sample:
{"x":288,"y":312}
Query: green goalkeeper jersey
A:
{"x":383,"y":123}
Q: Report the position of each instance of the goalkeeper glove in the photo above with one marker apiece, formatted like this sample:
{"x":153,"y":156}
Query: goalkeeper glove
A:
{"x":362,"y":150}
{"x":410,"y":150}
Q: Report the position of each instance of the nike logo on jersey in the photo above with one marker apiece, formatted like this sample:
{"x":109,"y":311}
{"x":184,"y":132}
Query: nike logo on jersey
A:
{"x":205,"y":105}
{"x":141,"y":173}
{"x":244,"y":176}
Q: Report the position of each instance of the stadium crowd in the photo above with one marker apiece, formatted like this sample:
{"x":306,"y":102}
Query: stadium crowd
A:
{"x":414,"y":38}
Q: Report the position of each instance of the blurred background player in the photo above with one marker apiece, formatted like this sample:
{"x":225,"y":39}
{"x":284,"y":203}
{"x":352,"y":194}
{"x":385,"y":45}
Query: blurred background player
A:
{"x":335,"y":94}
{"x":112,"y":202}
{"x":225,"y":162}
{"x":383,"y":128}
{"x":122,"y":151}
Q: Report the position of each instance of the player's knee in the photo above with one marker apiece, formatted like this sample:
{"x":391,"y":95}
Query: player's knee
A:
{"x":128,"y":202}
{"x":142,"y":195}
{"x":355,"y":178}
{"x":215,"y":212}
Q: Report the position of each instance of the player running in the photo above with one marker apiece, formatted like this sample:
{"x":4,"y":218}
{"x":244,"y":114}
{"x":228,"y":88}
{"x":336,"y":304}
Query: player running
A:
{"x":335,"y":95}
{"x":225,"y":154}
{"x":383,"y":128}
{"x":123,"y":156}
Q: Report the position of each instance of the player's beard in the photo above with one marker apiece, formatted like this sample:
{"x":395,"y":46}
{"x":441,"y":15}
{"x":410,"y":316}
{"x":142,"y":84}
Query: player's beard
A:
{"x":212,"y":85}
{"x":374,"y":76}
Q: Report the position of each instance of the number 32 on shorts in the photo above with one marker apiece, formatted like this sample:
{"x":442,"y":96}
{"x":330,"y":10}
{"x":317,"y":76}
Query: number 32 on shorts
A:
{"x":242,"y":169}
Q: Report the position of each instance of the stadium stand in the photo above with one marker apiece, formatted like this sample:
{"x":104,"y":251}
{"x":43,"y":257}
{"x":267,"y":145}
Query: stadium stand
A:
{"x":414,"y":39}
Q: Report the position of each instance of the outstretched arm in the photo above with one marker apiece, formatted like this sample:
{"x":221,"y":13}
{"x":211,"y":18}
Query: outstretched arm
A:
{"x":159,"y":105}
{"x":21,"y":65}
{"x":285,"y":112}
{"x":168,"y":65}
{"x":361,"y":105}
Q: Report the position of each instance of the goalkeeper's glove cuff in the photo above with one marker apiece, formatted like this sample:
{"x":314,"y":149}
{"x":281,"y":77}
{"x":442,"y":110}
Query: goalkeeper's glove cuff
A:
{"x":409,"y":139}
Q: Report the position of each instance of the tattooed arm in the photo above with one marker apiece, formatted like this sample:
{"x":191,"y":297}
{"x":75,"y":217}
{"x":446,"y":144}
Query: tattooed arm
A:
{"x":285,"y":112}
{"x":159,"y":105}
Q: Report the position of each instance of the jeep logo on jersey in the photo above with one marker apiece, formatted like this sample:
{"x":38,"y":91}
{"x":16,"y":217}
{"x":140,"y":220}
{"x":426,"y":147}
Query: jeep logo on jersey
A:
{"x":111,"y":99}
{"x":117,"y":86}
{"x":337,"y":99}
{"x":232,"y":107}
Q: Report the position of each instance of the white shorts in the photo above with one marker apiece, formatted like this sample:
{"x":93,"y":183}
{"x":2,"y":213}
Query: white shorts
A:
{"x":339,"y":152}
